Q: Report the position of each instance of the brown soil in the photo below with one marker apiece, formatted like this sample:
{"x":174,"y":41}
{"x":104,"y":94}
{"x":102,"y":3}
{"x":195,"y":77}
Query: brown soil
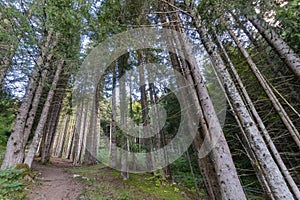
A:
{"x":54,"y":182}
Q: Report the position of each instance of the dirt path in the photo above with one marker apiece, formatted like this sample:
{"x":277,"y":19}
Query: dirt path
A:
{"x":54,"y":183}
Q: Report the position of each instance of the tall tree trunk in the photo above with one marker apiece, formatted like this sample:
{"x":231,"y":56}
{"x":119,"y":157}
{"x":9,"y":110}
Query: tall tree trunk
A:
{"x":123,"y":117}
{"x":72,"y":133}
{"x":286,"y":53}
{"x":113,"y":125}
{"x":277,"y":105}
{"x":92,"y":137}
{"x":280,"y":111}
{"x":38,"y":132}
{"x":145,"y":111}
{"x":157,"y":128}
{"x":228,"y":182}
{"x":38,"y":93}
{"x":15,"y":146}
{"x":242,"y":135}
{"x":262,"y":127}
{"x":270,"y":169}
{"x":51,"y":130}
{"x":81,"y":124}
{"x":62,"y":136}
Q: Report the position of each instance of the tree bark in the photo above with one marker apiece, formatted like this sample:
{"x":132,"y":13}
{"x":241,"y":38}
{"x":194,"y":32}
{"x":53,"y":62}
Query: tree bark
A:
{"x":38,"y":132}
{"x":123,"y":118}
{"x":38,"y":93}
{"x":286,"y":53}
{"x":51,"y":130}
{"x":280,"y":111}
{"x":226,"y":184}
{"x":242,"y":135}
{"x":81,"y":121}
{"x":275,"y":102}
{"x":15,"y":146}
{"x":113,"y":125}
{"x":145,"y":111}
{"x":270,"y":169}
{"x":92,"y":137}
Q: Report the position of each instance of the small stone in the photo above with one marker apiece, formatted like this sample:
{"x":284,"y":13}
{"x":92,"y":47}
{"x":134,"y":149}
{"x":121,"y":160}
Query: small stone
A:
{"x":76,"y":175}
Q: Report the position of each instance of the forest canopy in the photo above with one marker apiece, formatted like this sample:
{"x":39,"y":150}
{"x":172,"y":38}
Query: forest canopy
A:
{"x":204,"y":93}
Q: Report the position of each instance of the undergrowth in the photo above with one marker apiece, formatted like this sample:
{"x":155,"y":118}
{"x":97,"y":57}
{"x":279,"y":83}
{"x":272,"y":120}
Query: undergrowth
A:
{"x":12,"y":184}
{"x":105,"y":183}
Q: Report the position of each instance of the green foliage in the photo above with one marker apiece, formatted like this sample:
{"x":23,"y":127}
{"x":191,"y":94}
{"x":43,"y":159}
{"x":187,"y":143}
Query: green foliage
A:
{"x":8,"y":109}
{"x":123,"y":196}
{"x":172,"y":107}
{"x":11,"y":184}
{"x":288,"y":16}
{"x":158,"y":179}
{"x":181,"y":172}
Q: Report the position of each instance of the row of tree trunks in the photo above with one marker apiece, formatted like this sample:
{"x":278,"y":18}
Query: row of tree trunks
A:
{"x":286,"y":53}
{"x":61,"y":135}
{"x":52,"y":122}
{"x":159,"y":139}
{"x":49,"y":131}
{"x":226,"y":185}
{"x":270,"y":170}
{"x":81,"y":126}
{"x":268,"y":90}
{"x":93,"y":133}
{"x":15,"y":146}
{"x":280,"y":110}
{"x":242,"y":135}
{"x":43,"y":119}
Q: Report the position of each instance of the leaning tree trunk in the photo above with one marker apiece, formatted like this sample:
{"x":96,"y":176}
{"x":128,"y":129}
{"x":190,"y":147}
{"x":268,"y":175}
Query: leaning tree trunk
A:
{"x":286,"y":53}
{"x":206,"y":164}
{"x":271,"y":171}
{"x":15,"y":145}
{"x":262,"y":127}
{"x":51,"y":129}
{"x":229,"y":185}
{"x":280,"y":111}
{"x":242,"y":135}
{"x":38,"y":93}
{"x":38,"y":132}
{"x":275,"y":102}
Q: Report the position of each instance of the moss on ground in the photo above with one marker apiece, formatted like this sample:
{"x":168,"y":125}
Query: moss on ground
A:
{"x":105,"y":183}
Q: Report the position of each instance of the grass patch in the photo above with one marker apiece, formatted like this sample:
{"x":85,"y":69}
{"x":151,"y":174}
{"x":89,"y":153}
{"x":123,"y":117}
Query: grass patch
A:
{"x":104,"y":183}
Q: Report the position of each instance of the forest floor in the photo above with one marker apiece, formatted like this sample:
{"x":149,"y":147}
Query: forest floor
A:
{"x":60,"y":180}
{"x":54,"y":182}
